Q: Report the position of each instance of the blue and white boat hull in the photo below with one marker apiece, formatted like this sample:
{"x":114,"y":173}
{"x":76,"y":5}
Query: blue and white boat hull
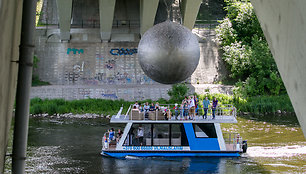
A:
{"x":123,"y":154}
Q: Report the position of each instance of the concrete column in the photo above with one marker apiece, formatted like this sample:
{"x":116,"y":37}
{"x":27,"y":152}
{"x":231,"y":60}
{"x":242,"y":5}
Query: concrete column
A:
{"x":107,"y":9}
{"x":148,"y":10}
{"x":64,"y":8}
{"x":10,"y":17}
{"x":284,"y":25}
{"x":190,"y":9}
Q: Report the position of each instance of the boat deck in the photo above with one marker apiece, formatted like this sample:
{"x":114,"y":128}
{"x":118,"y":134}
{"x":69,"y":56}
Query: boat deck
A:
{"x":198,"y":119}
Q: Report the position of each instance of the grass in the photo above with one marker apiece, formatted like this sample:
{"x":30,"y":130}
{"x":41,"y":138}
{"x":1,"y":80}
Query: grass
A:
{"x":256,"y":105}
{"x":97,"y":106}
{"x":266,"y":104}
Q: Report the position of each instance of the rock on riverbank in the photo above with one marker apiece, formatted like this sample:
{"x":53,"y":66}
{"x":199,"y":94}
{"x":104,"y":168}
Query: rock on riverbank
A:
{"x":71,"y":115}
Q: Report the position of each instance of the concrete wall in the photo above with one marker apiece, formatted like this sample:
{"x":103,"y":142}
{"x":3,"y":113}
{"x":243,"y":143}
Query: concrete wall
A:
{"x":10,"y":17}
{"x":114,"y":92}
{"x":86,"y":61}
{"x":111,"y":69}
{"x":284,"y":25}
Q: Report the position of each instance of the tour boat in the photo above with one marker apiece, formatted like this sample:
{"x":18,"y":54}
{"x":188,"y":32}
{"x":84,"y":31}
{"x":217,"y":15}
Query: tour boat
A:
{"x":152,"y":134}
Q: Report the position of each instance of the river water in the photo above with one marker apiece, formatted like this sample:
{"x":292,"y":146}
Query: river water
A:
{"x":276,"y":145}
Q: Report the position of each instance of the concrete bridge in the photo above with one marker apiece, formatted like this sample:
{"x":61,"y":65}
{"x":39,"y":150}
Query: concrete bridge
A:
{"x":283,"y":22}
{"x":142,"y":13}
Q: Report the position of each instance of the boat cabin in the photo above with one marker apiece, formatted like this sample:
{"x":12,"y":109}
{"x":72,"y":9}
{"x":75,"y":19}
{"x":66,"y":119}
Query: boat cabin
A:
{"x":154,"y":133}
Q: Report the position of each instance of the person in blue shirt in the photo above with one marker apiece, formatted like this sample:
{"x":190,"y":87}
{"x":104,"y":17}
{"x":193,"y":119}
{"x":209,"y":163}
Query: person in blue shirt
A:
{"x":206,"y":104}
{"x":111,"y":134}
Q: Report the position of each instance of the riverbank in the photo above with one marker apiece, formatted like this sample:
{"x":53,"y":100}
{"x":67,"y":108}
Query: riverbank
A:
{"x":95,"y":108}
{"x":71,"y":116}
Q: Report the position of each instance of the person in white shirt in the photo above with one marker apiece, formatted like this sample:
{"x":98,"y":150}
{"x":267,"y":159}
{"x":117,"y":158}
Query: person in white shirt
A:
{"x":192,"y":107}
{"x":140,"y":133}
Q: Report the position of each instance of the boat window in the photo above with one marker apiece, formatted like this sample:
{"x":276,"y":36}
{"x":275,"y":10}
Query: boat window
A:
{"x":161,"y":135}
{"x":138,"y":135}
{"x":175,"y":135}
{"x":205,"y":130}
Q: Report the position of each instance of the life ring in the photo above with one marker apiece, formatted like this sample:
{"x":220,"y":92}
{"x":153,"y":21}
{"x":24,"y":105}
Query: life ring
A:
{"x":105,"y":139}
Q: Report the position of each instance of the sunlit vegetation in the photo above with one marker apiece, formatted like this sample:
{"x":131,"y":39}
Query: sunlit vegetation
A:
{"x":246,"y":52}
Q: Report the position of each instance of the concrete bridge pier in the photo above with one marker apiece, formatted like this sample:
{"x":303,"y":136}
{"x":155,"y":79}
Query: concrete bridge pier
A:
{"x":147,"y":14}
{"x":190,"y":9}
{"x":284,"y":25}
{"x":64,"y":8}
{"x":106,"y":10}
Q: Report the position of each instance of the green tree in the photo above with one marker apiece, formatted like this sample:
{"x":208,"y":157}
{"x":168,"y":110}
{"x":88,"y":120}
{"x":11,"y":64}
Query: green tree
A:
{"x":178,"y":92}
{"x":246,"y":51}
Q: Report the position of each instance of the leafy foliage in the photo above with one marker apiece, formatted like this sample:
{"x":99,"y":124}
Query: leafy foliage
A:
{"x":266,"y":104}
{"x":178,"y":92}
{"x":247,"y":52}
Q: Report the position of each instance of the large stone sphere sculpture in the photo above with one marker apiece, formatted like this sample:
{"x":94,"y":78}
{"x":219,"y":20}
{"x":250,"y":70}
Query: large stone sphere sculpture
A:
{"x":168,"y":53}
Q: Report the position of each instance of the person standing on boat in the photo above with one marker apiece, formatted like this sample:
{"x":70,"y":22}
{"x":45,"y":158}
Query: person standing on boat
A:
{"x":185,"y":100}
{"x":206,"y":104}
{"x":176,"y":110}
{"x":189,"y":106}
{"x":182,"y":111}
{"x":111,"y":134}
{"x":196,"y":103}
{"x":186,"y":109}
{"x":192,"y":108}
{"x":214,"y":107}
{"x":140,"y":135}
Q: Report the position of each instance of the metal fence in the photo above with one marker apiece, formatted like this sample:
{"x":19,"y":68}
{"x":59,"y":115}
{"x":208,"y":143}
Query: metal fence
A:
{"x":94,"y":23}
{"x":233,"y":141}
{"x":167,"y":112}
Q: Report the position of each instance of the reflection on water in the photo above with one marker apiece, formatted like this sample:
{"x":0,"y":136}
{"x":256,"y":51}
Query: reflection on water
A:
{"x":180,"y":165}
{"x":73,"y":146}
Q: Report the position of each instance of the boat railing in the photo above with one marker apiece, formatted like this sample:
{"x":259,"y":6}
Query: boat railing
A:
{"x":168,"y":112}
{"x":233,"y":141}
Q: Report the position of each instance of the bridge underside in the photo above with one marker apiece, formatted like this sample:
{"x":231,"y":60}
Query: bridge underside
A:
{"x":140,"y":14}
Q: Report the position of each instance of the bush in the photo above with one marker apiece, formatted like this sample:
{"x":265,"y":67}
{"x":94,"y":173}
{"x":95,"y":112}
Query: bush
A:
{"x":178,"y":92}
{"x":36,"y":109}
{"x":247,"y":53}
{"x":258,"y":104}
{"x":50,"y":108}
